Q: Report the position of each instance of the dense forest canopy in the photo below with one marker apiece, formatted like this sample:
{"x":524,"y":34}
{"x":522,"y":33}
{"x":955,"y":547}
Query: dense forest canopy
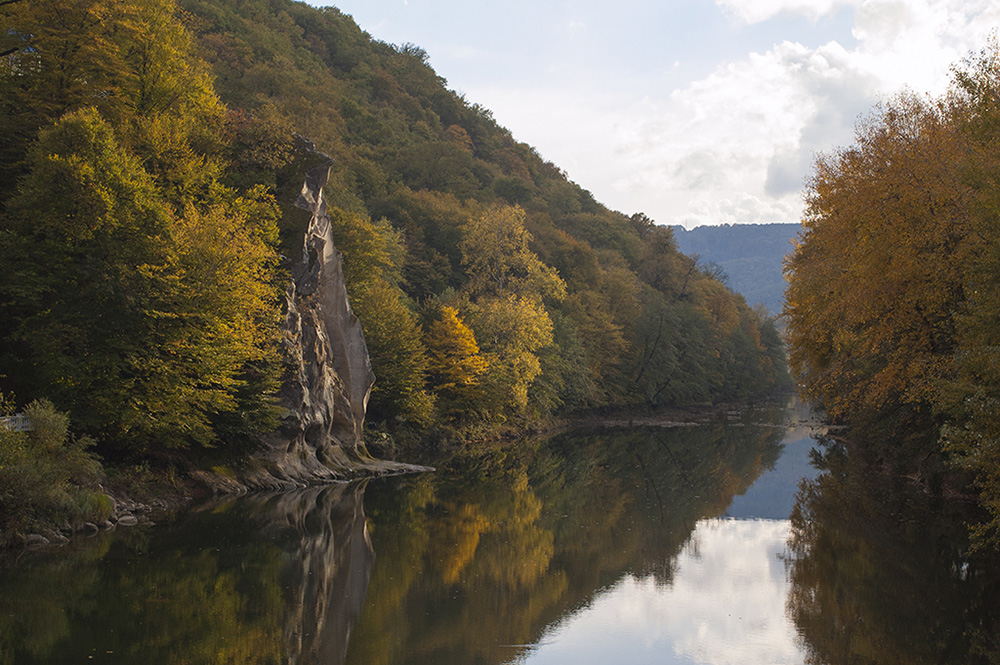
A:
{"x":149,"y":149}
{"x":893,"y":288}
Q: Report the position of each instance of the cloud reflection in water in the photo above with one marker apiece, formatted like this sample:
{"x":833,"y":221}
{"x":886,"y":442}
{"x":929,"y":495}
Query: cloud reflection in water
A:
{"x":725,"y":605}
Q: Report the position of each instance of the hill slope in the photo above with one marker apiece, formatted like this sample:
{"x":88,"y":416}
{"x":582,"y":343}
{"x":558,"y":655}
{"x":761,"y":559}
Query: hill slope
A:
{"x":491,"y":289}
{"x":751,"y":256}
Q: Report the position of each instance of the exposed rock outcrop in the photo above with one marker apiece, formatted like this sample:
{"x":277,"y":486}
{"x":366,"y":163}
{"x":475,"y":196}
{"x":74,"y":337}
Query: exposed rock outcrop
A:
{"x":328,"y":375}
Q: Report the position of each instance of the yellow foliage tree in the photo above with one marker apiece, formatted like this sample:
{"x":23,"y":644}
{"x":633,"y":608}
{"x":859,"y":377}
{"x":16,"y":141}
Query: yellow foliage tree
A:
{"x":513,"y":329}
{"x":499,"y":262}
{"x":508,"y":284}
{"x":456,"y":365}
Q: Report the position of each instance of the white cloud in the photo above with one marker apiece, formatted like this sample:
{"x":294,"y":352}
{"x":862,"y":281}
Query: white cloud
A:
{"x":756,"y":11}
{"x":736,"y":146}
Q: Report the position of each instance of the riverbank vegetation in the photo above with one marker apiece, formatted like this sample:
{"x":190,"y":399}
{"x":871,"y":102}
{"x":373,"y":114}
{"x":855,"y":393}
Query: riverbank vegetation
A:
{"x":142,"y":235}
{"x":892,"y":302}
{"x":144,"y":189}
{"x":48,"y":477}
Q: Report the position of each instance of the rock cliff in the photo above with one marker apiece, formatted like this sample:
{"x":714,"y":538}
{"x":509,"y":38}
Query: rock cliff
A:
{"x":328,"y":376}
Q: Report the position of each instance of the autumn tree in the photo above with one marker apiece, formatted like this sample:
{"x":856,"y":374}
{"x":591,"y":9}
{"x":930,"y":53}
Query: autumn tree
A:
{"x":513,"y":330}
{"x":141,"y":322}
{"x":972,"y":434}
{"x":456,"y":365}
{"x":877,"y":276}
{"x":892,"y":289}
{"x":508,"y":284}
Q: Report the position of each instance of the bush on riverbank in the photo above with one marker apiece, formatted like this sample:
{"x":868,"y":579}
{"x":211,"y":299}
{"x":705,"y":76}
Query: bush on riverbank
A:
{"x":47,"y":476}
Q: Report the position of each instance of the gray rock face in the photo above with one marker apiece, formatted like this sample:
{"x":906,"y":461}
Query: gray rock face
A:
{"x":335,"y":378}
{"x":328,"y":375}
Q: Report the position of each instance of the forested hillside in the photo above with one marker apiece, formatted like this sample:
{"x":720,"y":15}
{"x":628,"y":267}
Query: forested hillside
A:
{"x":751,"y":256}
{"x":893,"y":297}
{"x":148,"y":151}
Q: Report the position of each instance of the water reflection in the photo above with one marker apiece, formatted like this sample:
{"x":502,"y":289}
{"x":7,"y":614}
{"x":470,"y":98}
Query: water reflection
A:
{"x":881,"y":573}
{"x":665,"y":545}
{"x":267,"y":579}
{"x":725,"y":605}
{"x":328,"y":560}
{"x":475,"y":564}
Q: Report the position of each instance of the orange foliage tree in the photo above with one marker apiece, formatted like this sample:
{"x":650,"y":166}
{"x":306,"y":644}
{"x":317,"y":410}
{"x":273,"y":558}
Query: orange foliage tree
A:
{"x":892,"y":303}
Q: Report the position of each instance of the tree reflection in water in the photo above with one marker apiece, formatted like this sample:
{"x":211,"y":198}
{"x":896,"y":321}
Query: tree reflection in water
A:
{"x":477,"y":560}
{"x":474,"y":562}
{"x":258,"y":580}
{"x":881,"y":573}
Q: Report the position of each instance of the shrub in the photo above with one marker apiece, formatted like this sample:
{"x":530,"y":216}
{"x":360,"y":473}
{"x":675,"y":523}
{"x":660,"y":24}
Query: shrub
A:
{"x":47,"y":476}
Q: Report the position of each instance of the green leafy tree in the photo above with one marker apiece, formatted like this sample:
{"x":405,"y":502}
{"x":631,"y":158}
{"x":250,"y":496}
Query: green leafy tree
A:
{"x":141,"y":323}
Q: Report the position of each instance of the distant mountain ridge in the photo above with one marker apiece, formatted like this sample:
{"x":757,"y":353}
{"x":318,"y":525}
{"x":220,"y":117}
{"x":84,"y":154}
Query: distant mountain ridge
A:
{"x":751,"y":256}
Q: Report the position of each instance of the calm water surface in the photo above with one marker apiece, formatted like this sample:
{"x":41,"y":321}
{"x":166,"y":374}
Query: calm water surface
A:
{"x":689,"y":544}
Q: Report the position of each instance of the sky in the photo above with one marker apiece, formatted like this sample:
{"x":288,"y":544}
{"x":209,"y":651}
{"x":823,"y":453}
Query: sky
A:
{"x":692,"y":111}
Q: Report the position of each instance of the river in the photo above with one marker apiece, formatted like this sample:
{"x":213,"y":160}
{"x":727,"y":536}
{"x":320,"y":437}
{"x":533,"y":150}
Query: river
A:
{"x":713,"y":543}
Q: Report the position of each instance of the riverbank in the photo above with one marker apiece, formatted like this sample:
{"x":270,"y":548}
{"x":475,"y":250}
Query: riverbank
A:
{"x":143,"y":494}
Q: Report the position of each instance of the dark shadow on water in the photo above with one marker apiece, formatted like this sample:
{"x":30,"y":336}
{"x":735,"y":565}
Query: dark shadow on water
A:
{"x":882,"y":573}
